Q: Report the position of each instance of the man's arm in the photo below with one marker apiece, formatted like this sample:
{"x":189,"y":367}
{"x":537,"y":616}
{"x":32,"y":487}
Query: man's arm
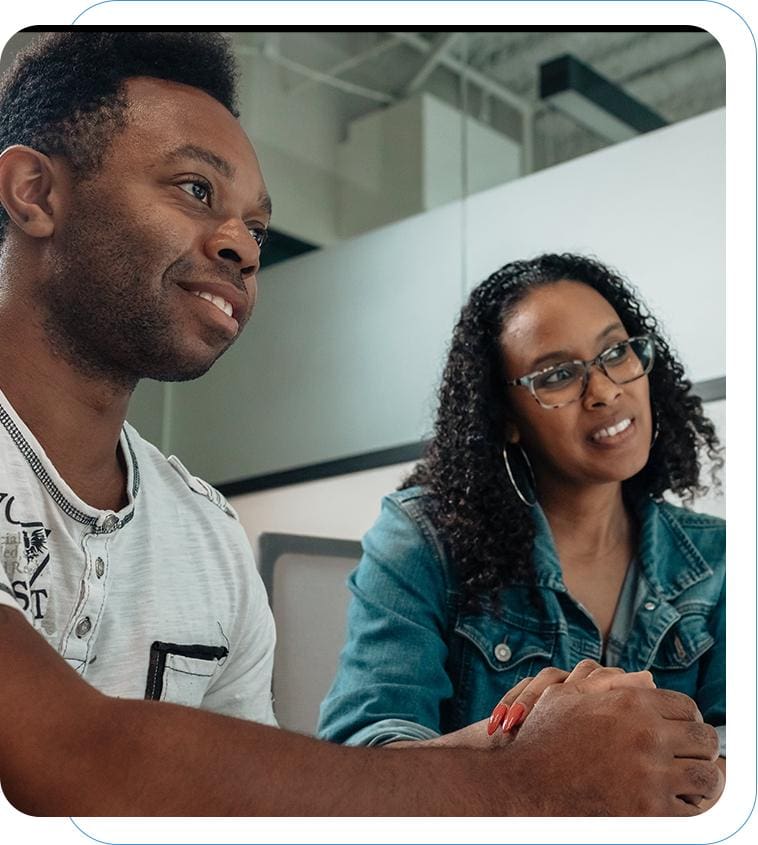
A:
{"x":66,"y":749}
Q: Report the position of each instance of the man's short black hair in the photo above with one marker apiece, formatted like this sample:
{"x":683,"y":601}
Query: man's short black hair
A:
{"x":64,"y":94}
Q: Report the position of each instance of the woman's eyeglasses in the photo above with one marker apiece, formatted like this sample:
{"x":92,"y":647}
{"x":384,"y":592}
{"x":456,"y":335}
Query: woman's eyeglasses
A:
{"x":561,"y":384}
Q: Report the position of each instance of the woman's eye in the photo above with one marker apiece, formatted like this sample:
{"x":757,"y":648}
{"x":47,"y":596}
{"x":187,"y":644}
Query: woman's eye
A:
{"x":559,"y":376}
{"x":616,"y":354}
{"x":199,"y":190}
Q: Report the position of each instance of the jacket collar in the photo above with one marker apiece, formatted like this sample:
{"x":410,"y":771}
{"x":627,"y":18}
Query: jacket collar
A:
{"x":668,"y":558}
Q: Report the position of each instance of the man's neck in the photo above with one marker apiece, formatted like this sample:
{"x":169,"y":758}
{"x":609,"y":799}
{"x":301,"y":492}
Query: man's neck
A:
{"x":76,"y":419}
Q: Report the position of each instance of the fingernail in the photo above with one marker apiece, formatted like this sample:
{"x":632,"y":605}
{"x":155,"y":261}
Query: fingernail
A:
{"x":496,"y":718}
{"x":514,"y":717}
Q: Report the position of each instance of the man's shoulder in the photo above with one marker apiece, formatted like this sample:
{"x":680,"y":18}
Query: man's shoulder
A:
{"x":170,"y":471}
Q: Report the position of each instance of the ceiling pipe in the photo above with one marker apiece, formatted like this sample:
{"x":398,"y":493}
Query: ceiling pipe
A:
{"x":526,"y":110}
{"x":352,"y":62}
{"x":314,"y":75}
{"x":444,"y":42}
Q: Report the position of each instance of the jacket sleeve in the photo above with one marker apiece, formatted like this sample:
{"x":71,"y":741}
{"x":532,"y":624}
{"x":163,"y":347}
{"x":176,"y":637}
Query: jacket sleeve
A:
{"x":391,"y":676}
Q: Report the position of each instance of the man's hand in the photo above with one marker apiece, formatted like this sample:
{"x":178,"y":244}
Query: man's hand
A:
{"x":627,"y":751}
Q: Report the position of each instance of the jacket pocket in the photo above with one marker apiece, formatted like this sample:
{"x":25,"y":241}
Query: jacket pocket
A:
{"x":510,"y":642}
{"x":686,"y":641}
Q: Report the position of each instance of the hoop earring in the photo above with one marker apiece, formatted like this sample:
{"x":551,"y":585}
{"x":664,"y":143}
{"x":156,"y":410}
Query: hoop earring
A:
{"x":656,"y":427}
{"x":511,"y":476}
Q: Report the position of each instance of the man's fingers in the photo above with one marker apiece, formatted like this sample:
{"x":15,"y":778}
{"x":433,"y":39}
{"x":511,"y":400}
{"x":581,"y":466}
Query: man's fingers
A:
{"x":674,"y":705}
{"x":698,"y":779}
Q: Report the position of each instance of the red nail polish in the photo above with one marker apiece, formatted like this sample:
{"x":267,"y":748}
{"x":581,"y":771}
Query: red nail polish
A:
{"x":496,"y":718}
{"x":515,"y":716}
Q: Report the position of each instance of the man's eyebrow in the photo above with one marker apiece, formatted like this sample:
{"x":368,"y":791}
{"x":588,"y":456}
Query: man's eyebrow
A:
{"x":264,"y":203}
{"x":204,"y":155}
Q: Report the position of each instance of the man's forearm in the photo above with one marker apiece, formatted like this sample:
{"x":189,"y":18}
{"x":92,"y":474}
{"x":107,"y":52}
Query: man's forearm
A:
{"x":148,"y":758}
{"x":66,"y":749}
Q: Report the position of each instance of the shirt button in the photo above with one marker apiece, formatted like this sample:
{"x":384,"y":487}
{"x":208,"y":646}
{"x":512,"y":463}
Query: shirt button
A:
{"x":503,"y":652}
{"x":110,"y":523}
{"x":649,"y":605}
{"x":83,"y":627}
{"x":99,"y":567}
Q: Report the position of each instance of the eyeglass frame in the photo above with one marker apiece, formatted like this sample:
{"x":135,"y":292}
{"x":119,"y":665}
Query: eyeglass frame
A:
{"x":527,"y":380}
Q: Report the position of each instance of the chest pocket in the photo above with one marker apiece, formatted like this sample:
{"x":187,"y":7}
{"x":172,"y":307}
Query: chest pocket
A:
{"x":686,"y":641}
{"x":511,"y":645}
{"x":182,"y":674}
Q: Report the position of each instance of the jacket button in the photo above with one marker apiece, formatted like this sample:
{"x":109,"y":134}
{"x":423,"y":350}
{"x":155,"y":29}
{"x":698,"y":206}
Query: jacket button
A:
{"x":99,"y":567}
{"x":503,"y":652}
{"x":649,"y":605}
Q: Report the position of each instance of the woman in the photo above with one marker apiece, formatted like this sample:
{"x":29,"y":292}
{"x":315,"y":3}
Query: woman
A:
{"x":534,"y":532}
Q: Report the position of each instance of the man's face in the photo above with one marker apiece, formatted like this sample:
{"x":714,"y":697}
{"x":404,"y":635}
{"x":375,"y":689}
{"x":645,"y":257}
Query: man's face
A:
{"x":151,"y":271}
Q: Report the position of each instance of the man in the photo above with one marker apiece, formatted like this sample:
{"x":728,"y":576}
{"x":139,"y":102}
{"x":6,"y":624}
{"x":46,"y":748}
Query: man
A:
{"x":133,"y":214}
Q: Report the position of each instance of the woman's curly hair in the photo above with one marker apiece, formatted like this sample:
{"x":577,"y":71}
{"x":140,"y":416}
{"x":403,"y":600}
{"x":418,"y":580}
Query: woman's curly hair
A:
{"x":487,"y":529}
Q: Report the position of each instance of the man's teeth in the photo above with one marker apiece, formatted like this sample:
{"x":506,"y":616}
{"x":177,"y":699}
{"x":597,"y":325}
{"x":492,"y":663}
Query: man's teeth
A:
{"x":614,"y":429}
{"x":216,"y":300}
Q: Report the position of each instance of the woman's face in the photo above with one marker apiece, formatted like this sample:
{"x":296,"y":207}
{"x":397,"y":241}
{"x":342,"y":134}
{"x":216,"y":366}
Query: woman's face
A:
{"x":571,"y":445}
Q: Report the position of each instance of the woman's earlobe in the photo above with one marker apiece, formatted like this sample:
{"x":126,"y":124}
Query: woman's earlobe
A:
{"x":26,"y":184}
{"x":511,"y":433}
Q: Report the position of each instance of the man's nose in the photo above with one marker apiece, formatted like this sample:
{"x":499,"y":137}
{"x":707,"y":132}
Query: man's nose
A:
{"x":233,"y":244}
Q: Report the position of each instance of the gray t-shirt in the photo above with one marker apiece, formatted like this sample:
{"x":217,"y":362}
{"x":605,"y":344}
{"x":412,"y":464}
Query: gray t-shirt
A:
{"x":159,"y":600}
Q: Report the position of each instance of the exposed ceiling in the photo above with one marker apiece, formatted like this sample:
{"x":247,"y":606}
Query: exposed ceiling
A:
{"x":495,"y":75}
{"x":492,"y":76}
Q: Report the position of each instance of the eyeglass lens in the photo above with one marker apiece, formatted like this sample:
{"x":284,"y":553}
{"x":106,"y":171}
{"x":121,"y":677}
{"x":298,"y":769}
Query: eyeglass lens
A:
{"x":622,"y":363}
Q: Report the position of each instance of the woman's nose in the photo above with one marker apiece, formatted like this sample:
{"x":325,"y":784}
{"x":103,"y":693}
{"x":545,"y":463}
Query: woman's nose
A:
{"x":600,"y":390}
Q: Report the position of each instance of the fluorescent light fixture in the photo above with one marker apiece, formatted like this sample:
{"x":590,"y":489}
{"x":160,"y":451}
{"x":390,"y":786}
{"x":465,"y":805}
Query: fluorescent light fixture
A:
{"x":594,"y":102}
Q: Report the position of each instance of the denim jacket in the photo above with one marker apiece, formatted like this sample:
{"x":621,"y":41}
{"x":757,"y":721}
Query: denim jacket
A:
{"x":415,"y":665}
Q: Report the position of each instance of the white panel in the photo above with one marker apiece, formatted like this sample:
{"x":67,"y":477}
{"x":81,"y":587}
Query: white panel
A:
{"x":310,"y":606}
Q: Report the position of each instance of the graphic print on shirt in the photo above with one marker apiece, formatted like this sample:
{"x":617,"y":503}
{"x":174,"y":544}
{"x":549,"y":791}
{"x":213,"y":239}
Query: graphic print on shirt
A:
{"x":24,"y":555}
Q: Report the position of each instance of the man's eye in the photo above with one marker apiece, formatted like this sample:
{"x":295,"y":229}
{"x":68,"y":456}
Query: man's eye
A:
{"x":259,"y":234}
{"x":199,"y":190}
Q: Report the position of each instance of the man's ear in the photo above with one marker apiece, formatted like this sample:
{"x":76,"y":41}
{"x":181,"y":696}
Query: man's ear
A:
{"x":27,"y":178}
